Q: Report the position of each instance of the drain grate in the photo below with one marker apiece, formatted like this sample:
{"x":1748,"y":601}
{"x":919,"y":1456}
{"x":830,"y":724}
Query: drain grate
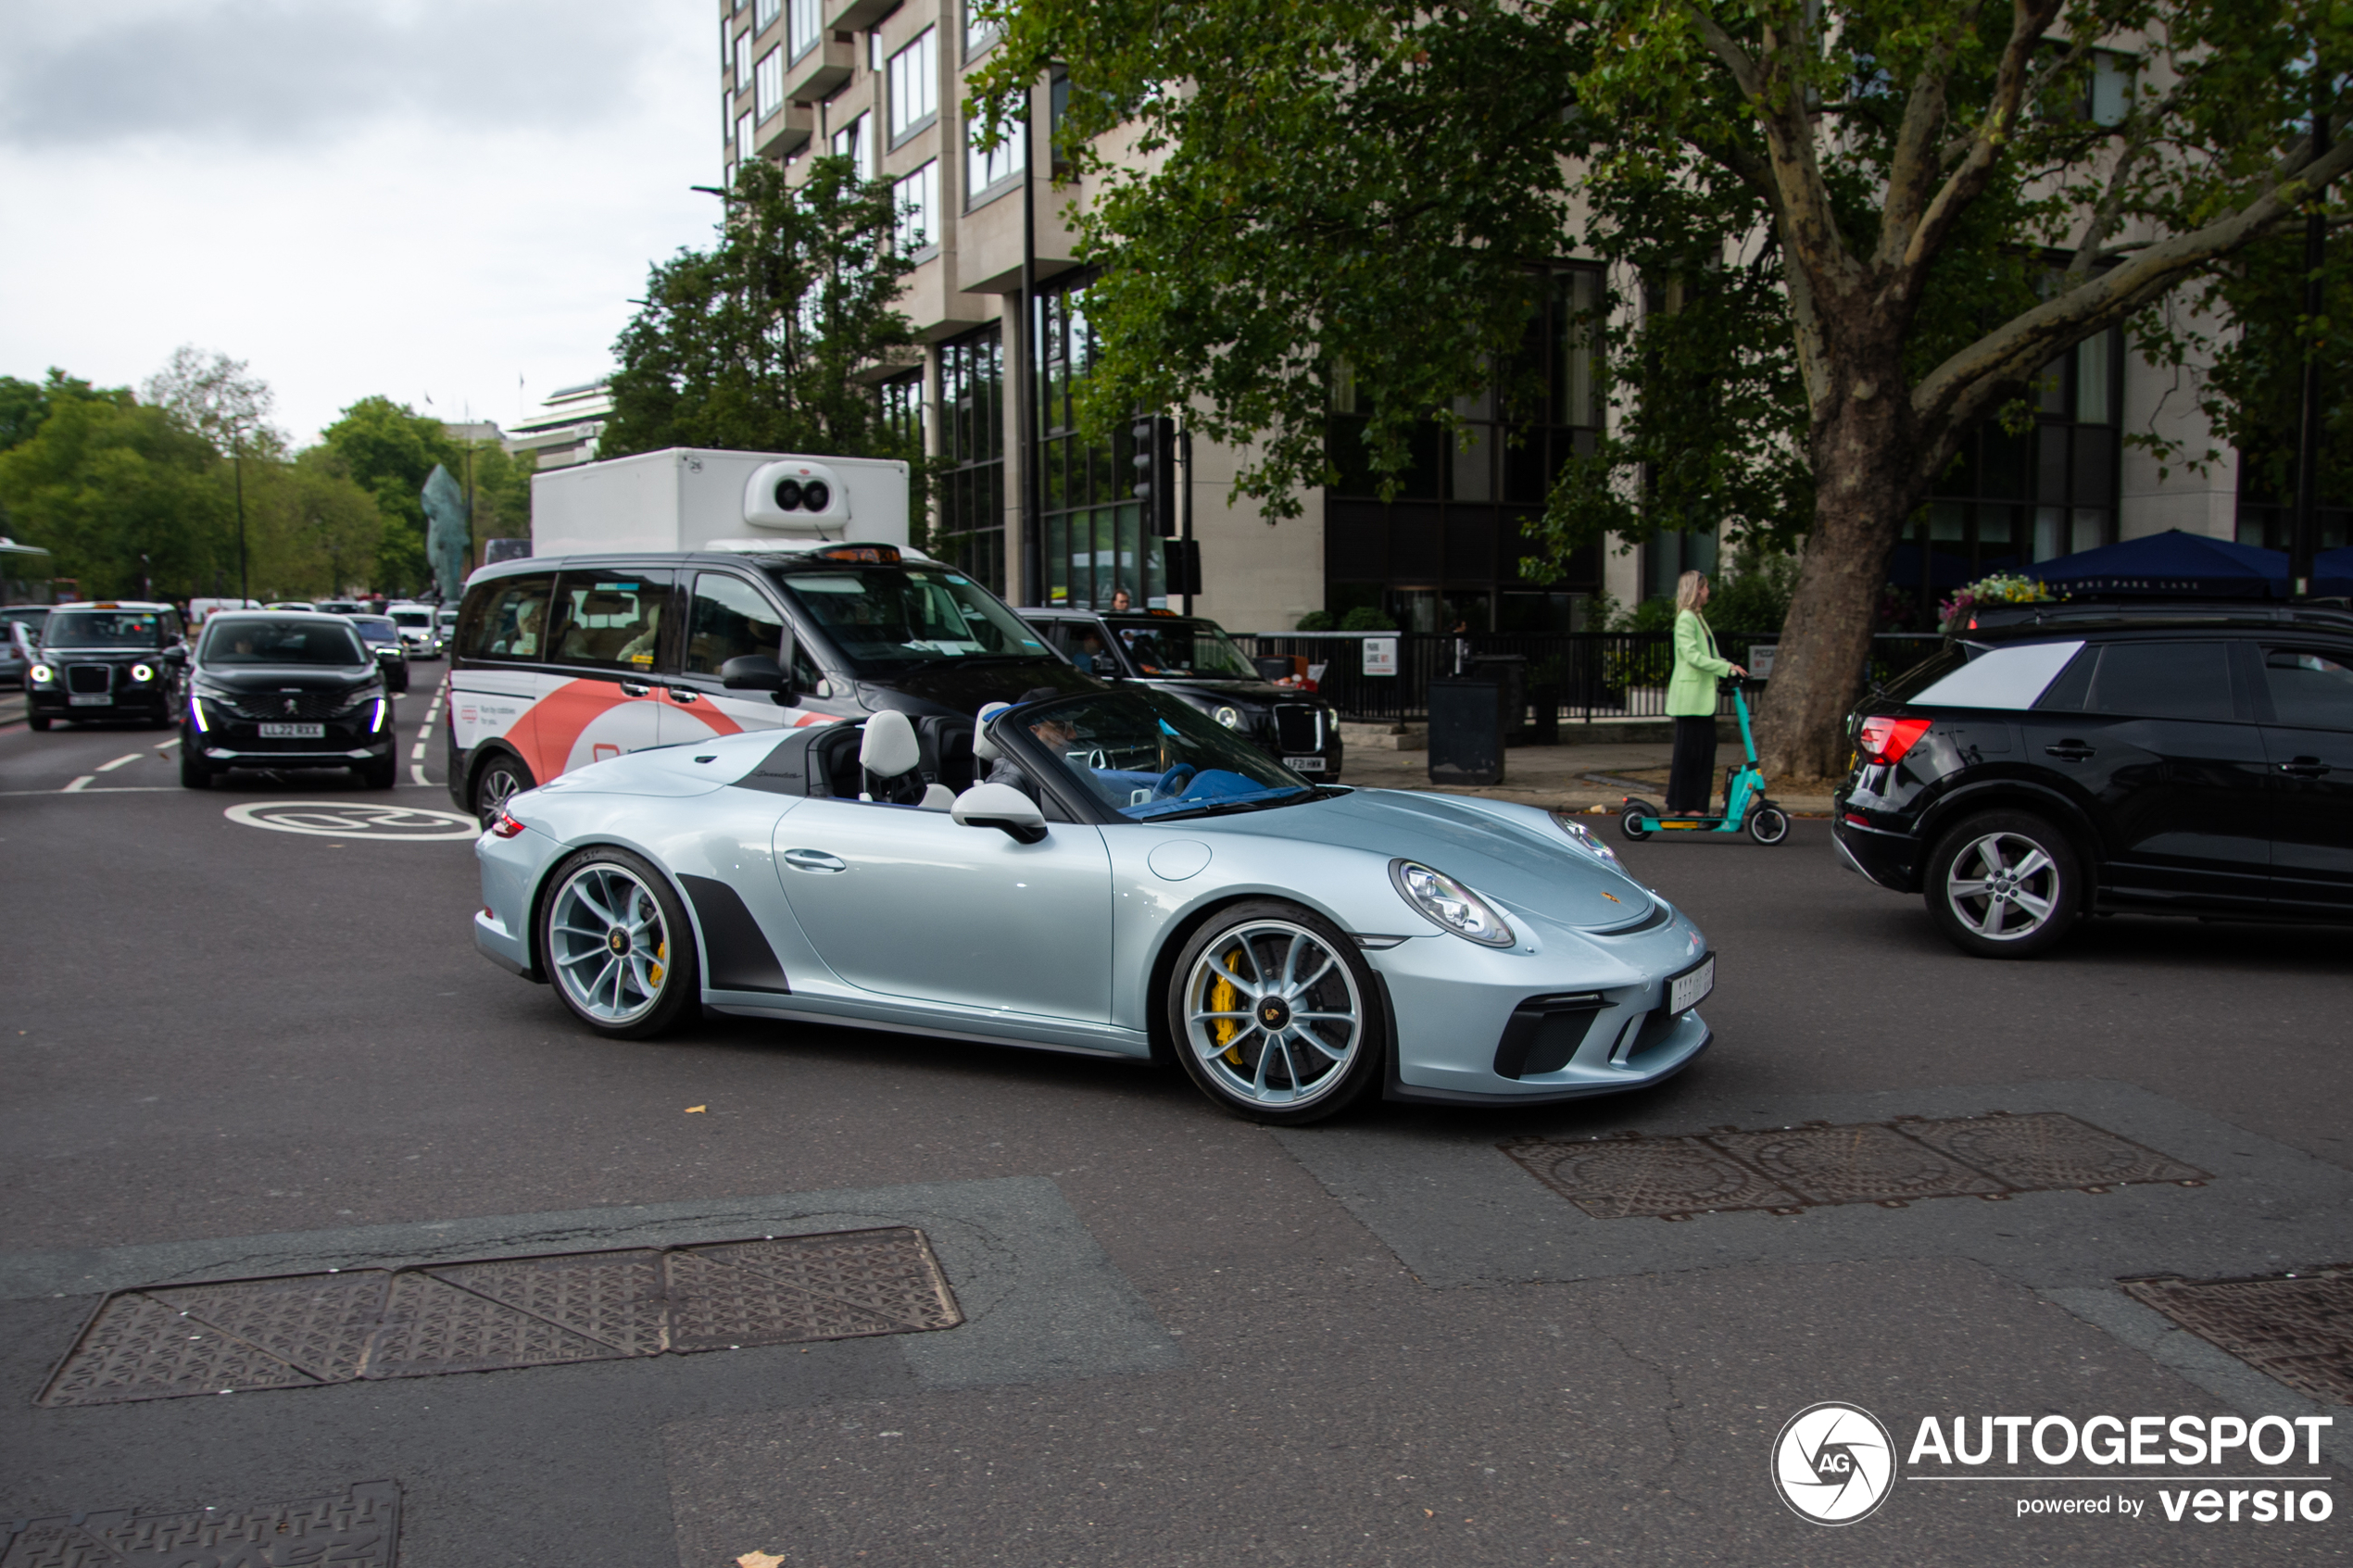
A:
{"x":1787,"y":1170}
{"x":2298,"y":1327}
{"x":360,"y":1529}
{"x":305,"y":1330}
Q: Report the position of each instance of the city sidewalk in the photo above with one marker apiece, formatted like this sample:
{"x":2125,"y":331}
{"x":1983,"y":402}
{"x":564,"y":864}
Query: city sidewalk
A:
{"x":1574,"y":778}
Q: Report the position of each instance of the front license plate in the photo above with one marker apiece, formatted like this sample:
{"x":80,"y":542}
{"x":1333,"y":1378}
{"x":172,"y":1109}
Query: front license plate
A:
{"x":1304,"y":764}
{"x":293,"y":731}
{"x":90,"y":702}
{"x":1688,"y":990}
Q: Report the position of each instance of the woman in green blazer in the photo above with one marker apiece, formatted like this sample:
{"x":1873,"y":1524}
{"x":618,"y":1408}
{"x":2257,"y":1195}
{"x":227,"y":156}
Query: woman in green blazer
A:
{"x":1691,"y":700}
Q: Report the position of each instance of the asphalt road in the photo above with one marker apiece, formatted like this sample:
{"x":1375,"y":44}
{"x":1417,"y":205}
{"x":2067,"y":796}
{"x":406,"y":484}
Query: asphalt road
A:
{"x":235,"y":1050}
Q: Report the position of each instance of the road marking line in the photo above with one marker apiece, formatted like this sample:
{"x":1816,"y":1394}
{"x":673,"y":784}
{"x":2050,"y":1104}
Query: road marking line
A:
{"x":110,"y":766}
{"x":418,"y":769}
{"x":167,"y":746}
{"x":103,"y":789}
{"x":417,"y":752}
{"x":84,"y":782}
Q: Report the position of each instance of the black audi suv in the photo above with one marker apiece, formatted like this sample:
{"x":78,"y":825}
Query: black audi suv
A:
{"x":114,"y":659}
{"x":2094,"y":759}
{"x":285,"y":689}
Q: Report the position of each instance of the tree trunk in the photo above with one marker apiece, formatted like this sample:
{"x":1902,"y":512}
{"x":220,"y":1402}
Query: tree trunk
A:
{"x":1864,"y":490}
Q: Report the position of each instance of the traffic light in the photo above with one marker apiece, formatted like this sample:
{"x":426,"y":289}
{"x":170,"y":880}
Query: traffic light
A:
{"x":1156,"y":473}
{"x":1181,"y":558}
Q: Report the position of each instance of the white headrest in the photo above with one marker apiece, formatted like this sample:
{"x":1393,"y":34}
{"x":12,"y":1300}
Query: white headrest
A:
{"x":983,"y":748}
{"x":888,"y":747}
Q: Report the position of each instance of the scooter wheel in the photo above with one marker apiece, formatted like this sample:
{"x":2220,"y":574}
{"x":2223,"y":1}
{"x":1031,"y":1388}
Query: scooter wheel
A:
{"x":1630,"y":823}
{"x":1768,"y":825}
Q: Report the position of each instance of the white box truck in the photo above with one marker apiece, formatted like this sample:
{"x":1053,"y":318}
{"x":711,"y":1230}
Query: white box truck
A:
{"x":687,"y":498}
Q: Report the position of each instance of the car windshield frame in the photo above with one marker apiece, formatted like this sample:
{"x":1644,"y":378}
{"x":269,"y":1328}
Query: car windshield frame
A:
{"x":862,"y":623}
{"x":1126,"y":630}
{"x":211,"y":654}
{"x":1227,"y":773}
{"x":65,"y":620}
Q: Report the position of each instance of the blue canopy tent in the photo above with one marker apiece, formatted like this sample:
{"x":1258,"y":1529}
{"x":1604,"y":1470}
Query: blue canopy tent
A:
{"x":2170,"y":565}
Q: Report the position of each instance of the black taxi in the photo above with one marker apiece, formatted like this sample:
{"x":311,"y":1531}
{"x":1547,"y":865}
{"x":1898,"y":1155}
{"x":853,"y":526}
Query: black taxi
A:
{"x":115,"y":660}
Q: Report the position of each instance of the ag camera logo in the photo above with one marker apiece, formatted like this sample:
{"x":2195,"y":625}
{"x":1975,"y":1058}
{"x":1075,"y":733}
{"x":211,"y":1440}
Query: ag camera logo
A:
{"x":1833,"y":1464}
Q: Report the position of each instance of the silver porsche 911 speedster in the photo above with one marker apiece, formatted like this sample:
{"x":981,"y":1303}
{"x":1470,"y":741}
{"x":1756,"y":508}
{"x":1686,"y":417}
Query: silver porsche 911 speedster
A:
{"x":1112,"y":873}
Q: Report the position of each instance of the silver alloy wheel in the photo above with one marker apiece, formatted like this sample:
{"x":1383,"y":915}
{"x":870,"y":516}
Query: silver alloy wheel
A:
{"x":499,"y":784}
{"x":1272,"y":1014}
{"x":608,"y":944}
{"x":2003,"y":886}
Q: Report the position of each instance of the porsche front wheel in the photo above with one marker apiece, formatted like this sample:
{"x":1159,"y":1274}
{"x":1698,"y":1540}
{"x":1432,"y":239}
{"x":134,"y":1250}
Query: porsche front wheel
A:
{"x":616,"y":945}
{"x":1275,"y":1015}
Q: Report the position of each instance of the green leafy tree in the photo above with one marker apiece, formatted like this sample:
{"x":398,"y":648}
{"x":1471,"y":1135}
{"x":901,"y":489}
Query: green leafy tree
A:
{"x":2253,"y":392}
{"x":312,"y":530}
{"x":24,"y":404}
{"x":759,"y":343}
{"x":1883,"y":220}
{"x":388,"y":449}
{"x":104,"y":479}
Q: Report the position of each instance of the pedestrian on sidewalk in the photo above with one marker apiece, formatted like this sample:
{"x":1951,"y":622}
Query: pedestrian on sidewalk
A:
{"x":1690,"y":699}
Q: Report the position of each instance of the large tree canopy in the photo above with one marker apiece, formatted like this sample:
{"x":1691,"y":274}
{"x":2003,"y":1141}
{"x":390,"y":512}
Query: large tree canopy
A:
{"x":1863,"y":227}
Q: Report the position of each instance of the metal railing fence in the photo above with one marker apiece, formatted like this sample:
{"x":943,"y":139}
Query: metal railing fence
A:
{"x":1591,"y":675}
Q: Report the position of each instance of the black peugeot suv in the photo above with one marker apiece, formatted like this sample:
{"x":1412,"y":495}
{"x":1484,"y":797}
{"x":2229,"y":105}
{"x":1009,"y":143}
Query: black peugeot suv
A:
{"x":285,"y":689}
{"x":2094,"y":759}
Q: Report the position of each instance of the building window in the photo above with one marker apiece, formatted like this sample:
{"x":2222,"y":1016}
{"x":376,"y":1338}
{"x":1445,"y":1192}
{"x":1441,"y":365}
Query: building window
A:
{"x":986,"y":170}
{"x":979,"y":31}
{"x":915,"y":86}
{"x":1448,"y":547}
{"x":902,"y":410}
{"x":801,"y":31}
{"x":743,"y":61}
{"x":1092,"y":523}
{"x":852,"y":143}
{"x":917,"y":196}
{"x":972,"y":437}
{"x":2009,"y":500}
{"x":769,"y":78}
{"x":767,"y":14}
{"x":744,"y":124}
{"x":873,"y":51}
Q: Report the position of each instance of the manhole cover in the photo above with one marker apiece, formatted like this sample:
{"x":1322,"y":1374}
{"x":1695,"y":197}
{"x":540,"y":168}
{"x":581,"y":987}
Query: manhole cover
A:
{"x":2298,"y":1327}
{"x":360,"y":1529}
{"x":162,"y":1342}
{"x":354,"y":819}
{"x":1788,"y":1169}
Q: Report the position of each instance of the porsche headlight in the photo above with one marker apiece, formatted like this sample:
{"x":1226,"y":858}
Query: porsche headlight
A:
{"x":1229,"y":717}
{"x":1585,"y":838}
{"x":1448,"y":903}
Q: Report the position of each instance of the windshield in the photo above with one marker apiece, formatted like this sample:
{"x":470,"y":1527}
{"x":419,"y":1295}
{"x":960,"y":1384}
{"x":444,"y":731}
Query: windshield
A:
{"x":375,"y":628}
{"x":251,"y":640}
{"x":1180,"y":650}
{"x":1148,"y":755}
{"x":889,"y":619}
{"x":412,"y":617}
{"x":104,"y":629}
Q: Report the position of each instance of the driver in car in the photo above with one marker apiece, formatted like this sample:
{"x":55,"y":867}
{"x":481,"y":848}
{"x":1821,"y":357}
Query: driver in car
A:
{"x":1056,"y":735}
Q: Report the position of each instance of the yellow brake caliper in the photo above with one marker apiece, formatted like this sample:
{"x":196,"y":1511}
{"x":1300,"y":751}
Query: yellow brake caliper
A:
{"x":661,"y":957}
{"x":1222,"y":998}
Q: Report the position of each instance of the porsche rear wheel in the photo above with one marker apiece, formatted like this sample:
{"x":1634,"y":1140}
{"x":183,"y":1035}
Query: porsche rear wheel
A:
{"x":615,"y":942}
{"x":1275,"y":1014}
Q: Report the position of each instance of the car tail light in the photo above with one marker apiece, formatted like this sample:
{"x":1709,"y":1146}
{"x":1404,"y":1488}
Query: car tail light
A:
{"x":1884,"y":740}
{"x":504,"y":826}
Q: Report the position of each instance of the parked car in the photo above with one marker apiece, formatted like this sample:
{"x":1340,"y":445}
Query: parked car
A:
{"x":1194,"y":658}
{"x":565,"y":660}
{"x":2096,"y":759}
{"x":384,"y":640}
{"x":419,"y":636}
{"x":114,"y":659}
{"x":1133,"y":880}
{"x":285,"y":689}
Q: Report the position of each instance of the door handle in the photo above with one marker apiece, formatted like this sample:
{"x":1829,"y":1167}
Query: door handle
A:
{"x":2069,"y":750}
{"x":636,"y":688}
{"x":814,"y":860}
{"x":681,"y":694}
{"x":2305,"y":768}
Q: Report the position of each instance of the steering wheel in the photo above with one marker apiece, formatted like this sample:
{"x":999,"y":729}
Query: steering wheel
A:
{"x":1172,"y":782}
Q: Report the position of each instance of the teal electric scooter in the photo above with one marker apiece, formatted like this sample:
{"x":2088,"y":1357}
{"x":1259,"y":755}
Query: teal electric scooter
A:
{"x":1746,"y":807}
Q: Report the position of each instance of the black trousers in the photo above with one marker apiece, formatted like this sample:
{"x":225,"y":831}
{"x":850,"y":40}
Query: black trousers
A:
{"x":1692,"y":779}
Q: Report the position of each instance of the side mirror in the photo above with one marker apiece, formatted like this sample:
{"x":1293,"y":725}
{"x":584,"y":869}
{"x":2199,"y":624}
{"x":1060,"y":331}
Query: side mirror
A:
{"x":176,"y":654}
{"x":1001,"y":807}
{"x":757,"y":672}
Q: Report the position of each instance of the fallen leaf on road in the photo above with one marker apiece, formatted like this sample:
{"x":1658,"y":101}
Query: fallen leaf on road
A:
{"x":691,"y":1111}
{"x":757,"y":1558}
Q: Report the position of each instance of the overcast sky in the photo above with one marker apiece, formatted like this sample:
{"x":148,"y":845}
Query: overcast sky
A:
{"x":422,"y":198}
